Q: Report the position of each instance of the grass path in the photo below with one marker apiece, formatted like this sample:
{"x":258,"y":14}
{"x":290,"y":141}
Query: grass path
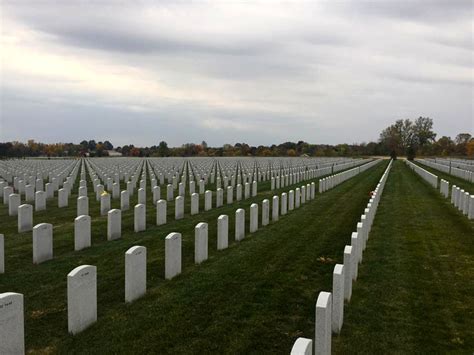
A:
{"x":415,"y":291}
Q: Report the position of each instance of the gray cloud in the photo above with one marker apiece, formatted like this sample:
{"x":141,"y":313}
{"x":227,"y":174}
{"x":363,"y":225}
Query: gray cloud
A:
{"x":263,"y":73}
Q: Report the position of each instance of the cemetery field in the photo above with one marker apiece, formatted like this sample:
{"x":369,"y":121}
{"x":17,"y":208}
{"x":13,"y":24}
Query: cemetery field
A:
{"x":256,"y":296}
{"x":414,"y":292}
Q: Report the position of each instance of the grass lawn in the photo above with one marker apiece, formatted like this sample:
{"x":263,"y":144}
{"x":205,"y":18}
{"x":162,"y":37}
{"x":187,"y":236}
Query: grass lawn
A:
{"x":415,"y":291}
{"x":257,"y":296}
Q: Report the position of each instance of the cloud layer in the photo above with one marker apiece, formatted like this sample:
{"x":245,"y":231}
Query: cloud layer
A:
{"x":226,"y":72}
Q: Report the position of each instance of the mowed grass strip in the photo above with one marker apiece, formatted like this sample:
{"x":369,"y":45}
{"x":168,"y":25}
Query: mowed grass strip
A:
{"x":414,"y":293}
{"x":257,"y":295}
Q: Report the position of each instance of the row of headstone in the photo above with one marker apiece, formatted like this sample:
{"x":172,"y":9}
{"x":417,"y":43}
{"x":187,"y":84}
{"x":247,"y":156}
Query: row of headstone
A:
{"x":432,"y":179}
{"x":463,"y":201}
{"x":332,"y":181}
{"x":329,"y":313}
{"x":461,"y":170}
{"x":460,"y":198}
{"x":444,"y":188}
{"x":279,"y":207}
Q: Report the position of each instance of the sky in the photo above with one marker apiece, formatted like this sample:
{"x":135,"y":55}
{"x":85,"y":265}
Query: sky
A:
{"x":259,"y":72}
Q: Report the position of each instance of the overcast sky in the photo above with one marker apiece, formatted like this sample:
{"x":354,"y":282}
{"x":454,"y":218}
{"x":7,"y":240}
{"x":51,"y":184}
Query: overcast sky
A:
{"x":233,"y":71}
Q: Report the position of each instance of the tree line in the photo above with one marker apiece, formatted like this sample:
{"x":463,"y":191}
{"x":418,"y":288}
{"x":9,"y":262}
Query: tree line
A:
{"x":404,"y":137}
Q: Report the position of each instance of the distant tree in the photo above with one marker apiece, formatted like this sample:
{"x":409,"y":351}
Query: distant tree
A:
{"x":462,"y":138}
{"x":163,"y":149}
{"x":423,"y":131}
{"x":470,"y":148}
{"x":444,"y":146}
{"x":411,"y":153}
{"x":108,"y":145}
{"x":91,"y":145}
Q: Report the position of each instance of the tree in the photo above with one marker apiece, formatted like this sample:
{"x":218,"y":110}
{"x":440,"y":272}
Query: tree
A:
{"x":163,"y":149}
{"x":423,"y":131}
{"x":397,"y":137}
{"x":108,"y":145}
{"x":462,"y":140}
{"x":470,"y":148}
{"x":444,"y":146}
{"x":91,"y":144}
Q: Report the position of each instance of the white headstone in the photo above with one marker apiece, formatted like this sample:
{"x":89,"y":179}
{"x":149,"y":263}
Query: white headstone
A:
{"x":254,"y":189}
{"x":291,"y":200}
{"x":302,"y":346}
{"x":156,"y":194}
{"x":265,"y":212}
{"x":194,"y":203}
{"x":239,"y":224}
{"x":219,"y":197}
{"x":253,"y":218}
{"x":161,"y":212}
{"x":200,"y":242}
{"x":29,"y":193}
{"x":141,"y":196}
{"x":172,"y":255}
{"x":25,"y":218}
{"x":12,"y":328}
{"x":2,"y":254}
{"x":14,"y":201}
{"x":471,"y":207}
{"x":135,"y":273}
{"x":355,"y":254}
{"x":169,"y":192}
{"x":42,"y":242}
{"x":139,"y":218}
{"x":82,"y":191}
{"x":222,"y":232}
{"x":104,"y":203}
{"x":114,"y":224}
{"x":40,"y":201}
{"x":348,"y":272}
{"x":284,"y":203}
{"x":337,"y":298}
{"x":82,"y":232}
{"x":82,"y":206}
{"x":63,"y":198}
{"x":81,"y":298}
{"x":124,"y":200}
{"x":7,"y":191}
{"x":275,"y":208}
{"x":179,"y":207}
{"x":238,"y":193}
{"x":230,"y":195}
{"x":207,"y":200}
{"x":322,"y":338}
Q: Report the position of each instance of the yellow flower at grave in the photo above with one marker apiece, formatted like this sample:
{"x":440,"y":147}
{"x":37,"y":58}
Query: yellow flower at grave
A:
{"x":105,"y":193}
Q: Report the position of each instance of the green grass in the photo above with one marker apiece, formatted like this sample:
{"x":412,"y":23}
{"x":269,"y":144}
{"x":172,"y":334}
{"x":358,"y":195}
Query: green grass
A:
{"x":257,"y":296}
{"x":415,"y":288}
